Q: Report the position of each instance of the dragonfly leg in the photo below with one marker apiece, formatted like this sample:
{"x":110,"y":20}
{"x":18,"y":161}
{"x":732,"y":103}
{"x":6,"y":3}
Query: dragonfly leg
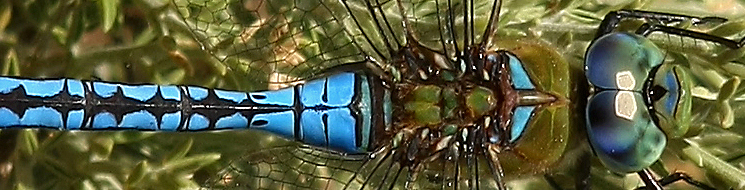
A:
{"x":496,"y":168}
{"x":672,"y":178}
{"x":611,"y":20}
{"x":677,"y":176}
{"x":649,"y":181}
{"x":647,"y":29}
{"x":582,"y":180}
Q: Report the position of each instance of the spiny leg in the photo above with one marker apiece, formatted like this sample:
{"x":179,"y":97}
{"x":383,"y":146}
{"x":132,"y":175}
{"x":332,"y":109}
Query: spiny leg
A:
{"x":494,"y":166}
{"x":582,"y":180}
{"x":672,"y":178}
{"x":647,"y":29}
{"x":611,"y":20}
{"x":677,"y":176}
{"x":497,"y":171}
{"x":471,"y":159}
{"x":649,"y":181}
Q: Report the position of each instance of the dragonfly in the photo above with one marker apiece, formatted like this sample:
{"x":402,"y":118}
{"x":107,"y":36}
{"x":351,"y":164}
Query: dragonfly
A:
{"x":373,"y":107}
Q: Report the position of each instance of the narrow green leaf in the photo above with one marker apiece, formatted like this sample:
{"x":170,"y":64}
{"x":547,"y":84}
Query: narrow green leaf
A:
{"x":20,"y":186}
{"x":720,"y":169}
{"x":124,"y":137}
{"x":109,"y":10}
{"x":180,"y":152}
{"x":727,"y":116}
{"x":735,"y":68}
{"x":75,"y":31}
{"x":728,"y":89}
{"x":86,"y":185}
{"x":191,"y":163}
{"x":107,"y":181}
{"x":726,"y":92}
{"x":729,"y":28}
{"x":102,"y":147}
{"x":137,"y":174}
{"x":731,"y":55}
{"x":716,"y":138}
{"x":11,"y":68}
{"x":146,"y":37}
{"x":5,"y":14}
{"x":59,"y":34}
{"x":28,"y":142}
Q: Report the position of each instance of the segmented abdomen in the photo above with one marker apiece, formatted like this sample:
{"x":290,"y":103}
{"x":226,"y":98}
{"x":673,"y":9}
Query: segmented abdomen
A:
{"x":333,"y":112}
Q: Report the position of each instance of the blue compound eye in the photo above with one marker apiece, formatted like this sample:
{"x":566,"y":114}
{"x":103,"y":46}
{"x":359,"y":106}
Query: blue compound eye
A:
{"x":621,"y":132}
{"x":671,"y":99}
{"x":621,"y":61}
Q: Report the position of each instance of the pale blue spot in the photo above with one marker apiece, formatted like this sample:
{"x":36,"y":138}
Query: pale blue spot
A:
{"x":170,"y":93}
{"x":8,"y":118}
{"x":280,"y":123}
{"x":7,"y":85}
{"x":42,"y":117}
{"x":235,"y":97}
{"x":282,"y":97}
{"x":341,"y":130}
{"x":104,"y":120}
{"x":234,"y":121}
{"x":520,"y":119}
{"x":75,"y":119}
{"x":311,"y":93}
{"x":197,"y":93}
{"x":141,"y":93}
{"x":340,"y":89}
{"x":520,"y":78}
{"x":198,"y":122}
{"x":75,"y":88}
{"x":104,"y":90}
{"x":312,"y":128}
{"x":170,"y":121}
{"x":43,"y":88}
{"x":139,"y":120}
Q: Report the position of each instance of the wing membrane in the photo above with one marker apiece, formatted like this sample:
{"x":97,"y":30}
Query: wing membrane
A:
{"x":292,"y":41}
{"x":296,"y":39}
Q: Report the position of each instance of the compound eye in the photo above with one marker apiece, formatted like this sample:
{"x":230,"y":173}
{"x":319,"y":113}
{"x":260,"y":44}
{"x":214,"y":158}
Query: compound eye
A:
{"x":621,"y":132}
{"x":671,"y":101}
{"x":621,"y":61}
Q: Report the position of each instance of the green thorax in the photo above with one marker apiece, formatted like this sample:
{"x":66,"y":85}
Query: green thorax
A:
{"x":435,"y":104}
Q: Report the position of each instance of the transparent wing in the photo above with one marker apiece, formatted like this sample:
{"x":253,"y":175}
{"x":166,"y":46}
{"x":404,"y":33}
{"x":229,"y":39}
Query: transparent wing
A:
{"x":288,"y":167}
{"x":284,"y":39}
{"x":299,"y":167}
{"x":449,"y":25}
{"x":290,"y":41}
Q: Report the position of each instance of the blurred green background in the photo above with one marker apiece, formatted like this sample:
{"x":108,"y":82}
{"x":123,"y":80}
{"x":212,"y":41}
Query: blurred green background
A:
{"x":140,"y":41}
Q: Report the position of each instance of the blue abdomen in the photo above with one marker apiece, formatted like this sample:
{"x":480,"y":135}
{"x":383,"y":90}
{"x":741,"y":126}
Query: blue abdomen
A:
{"x":334,"y":112}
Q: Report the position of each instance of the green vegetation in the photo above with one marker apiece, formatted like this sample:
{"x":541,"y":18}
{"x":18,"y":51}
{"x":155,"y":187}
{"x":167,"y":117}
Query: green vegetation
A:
{"x":141,"y":41}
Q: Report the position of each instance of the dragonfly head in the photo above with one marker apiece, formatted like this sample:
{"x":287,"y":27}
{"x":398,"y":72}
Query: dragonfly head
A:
{"x":620,"y":128}
{"x":638,"y":102}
